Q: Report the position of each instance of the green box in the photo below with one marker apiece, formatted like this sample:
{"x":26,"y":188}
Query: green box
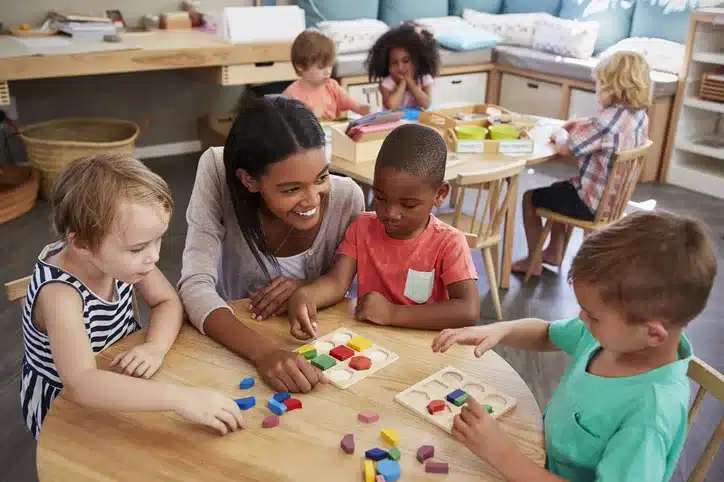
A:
{"x":324,"y":362}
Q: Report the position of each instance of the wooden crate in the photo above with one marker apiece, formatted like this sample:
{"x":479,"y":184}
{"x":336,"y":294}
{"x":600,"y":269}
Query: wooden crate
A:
{"x":444,"y":119}
{"x":712,"y":86}
{"x":512,"y":147}
{"x":213,"y":129}
{"x":258,"y":73}
{"x":363,"y":151}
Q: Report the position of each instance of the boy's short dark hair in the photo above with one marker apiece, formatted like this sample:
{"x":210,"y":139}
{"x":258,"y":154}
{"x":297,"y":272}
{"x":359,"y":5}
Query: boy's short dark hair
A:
{"x":310,"y":49}
{"x":653,"y":265}
{"x":415,"y":149}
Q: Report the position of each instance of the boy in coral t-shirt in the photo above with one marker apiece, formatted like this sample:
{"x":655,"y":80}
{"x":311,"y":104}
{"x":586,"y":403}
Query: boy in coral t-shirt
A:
{"x":413,"y":270}
{"x":313,"y":58}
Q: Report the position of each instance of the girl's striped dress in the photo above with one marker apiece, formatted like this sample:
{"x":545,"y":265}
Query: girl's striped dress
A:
{"x":106,"y":322}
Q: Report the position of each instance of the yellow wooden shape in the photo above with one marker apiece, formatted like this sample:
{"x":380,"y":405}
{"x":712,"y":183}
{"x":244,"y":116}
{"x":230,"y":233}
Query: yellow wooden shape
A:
{"x":359,"y":343}
{"x":370,"y":471}
{"x":391,"y":436}
{"x":305,"y":348}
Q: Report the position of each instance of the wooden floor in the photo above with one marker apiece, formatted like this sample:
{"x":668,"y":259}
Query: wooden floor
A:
{"x":550,"y":298}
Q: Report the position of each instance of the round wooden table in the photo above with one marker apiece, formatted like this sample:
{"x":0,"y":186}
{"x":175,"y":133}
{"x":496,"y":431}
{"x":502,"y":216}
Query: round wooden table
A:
{"x":78,"y":444}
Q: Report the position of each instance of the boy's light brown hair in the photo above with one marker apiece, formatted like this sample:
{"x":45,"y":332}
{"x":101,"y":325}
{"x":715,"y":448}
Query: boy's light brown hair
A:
{"x":624,"y":78}
{"x":87,"y":193}
{"x":652,"y":265}
{"x":311,"y":49}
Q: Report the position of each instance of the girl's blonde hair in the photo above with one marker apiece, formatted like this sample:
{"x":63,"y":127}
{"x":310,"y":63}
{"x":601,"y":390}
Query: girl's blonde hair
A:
{"x":88,"y":190}
{"x":624,"y":78}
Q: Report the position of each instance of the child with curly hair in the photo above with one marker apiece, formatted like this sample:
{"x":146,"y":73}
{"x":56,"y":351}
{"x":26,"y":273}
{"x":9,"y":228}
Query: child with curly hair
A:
{"x":405,"y":60}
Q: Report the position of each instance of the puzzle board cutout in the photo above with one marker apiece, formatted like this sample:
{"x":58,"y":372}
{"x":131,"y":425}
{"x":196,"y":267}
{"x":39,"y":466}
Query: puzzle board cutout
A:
{"x":438,"y":385}
{"x":341,"y":375}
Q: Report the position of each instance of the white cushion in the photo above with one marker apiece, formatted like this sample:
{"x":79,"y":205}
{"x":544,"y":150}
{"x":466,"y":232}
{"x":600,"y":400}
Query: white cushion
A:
{"x":442,"y":25}
{"x":569,"y":38}
{"x":512,"y":28}
{"x":661,"y":55}
{"x":350,"y":36}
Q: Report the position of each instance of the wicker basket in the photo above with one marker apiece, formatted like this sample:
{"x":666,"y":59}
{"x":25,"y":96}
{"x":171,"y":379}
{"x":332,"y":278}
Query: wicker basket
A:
{"x":53,"y":144}
{"x":18,"y":191}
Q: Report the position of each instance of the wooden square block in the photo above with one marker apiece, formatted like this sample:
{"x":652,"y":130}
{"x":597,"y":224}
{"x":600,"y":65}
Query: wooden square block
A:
{"x":359,"y":343}
{"x":341,"y":352}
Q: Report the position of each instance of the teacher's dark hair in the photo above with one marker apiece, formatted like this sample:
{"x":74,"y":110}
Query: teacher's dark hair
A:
{"x":266,"y":130}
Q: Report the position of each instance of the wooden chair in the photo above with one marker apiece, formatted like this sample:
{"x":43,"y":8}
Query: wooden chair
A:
{"x":18,"y":289}
{"x":711,"y":381}
{"x":627,"y":167}
{"x":482,"y":229}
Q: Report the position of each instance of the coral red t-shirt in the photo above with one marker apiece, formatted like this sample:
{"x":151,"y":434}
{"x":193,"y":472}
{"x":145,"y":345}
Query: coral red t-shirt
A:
{"x":407,"y":271}
{"x":328,"y":101}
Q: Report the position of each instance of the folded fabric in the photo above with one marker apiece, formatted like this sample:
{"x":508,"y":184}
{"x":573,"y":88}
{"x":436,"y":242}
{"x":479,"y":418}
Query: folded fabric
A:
{"x":454,"y":33}
{"x":352,"y":36}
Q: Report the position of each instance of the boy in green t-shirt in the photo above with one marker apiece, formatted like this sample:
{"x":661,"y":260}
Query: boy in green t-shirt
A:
{"x":620,"y":411}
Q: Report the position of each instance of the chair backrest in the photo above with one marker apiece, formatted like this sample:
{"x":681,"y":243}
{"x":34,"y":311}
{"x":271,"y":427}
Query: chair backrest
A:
{"x":487,"y":218}
{"x":18,"y":289}
{"x":709,"y":381}
{"x":625,"y":173}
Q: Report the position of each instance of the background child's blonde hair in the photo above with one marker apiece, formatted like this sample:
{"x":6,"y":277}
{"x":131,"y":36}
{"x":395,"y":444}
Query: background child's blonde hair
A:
{"x":88,"y":190}
{"x":624,"y":78}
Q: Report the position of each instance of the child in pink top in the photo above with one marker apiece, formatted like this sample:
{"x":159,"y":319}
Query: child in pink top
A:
{"x":405,"y":61}
{"x":313,"y":58}
{"x":413,"y":270}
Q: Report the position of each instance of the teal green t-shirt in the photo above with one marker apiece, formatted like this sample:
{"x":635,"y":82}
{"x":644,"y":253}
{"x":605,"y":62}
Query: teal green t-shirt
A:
{"x":614,"y":429}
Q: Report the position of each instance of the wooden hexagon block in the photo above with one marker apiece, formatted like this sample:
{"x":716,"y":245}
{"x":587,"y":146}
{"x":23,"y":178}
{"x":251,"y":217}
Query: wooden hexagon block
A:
{"x":360,"y":363}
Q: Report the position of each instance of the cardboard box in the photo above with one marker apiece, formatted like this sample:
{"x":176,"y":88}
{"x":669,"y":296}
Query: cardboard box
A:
{"x":213,"y":130}
{"x":356,"y":152}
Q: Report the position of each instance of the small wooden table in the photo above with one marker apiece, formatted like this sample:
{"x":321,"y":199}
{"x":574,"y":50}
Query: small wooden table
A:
{"x":78,"y":444}
{"x":543,"y":151}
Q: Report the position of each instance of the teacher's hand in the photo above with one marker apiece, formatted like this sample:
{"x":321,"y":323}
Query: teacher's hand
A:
{"x":272,"y":299}
{"x":286,"y":371}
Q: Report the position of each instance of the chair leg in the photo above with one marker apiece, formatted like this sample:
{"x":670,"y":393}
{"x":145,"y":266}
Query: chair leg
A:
{"x":537,"y":255}
{"x":492,"y":281}
{"x":454,"y":191}
{"x":567,"y":239}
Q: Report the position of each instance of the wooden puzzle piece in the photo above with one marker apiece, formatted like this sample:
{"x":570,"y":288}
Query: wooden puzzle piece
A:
{"x":347,"y":443}
{"x":277,"y":408}
{"x":292,"y":404}
{"x":341,"y":352}
{"x":457,"y":397}
{"x":369,"y":470}
{"x":324,"y":362}
{"x":394,"y":454}
{"x":359,"y":343}
{"x":376,"y":454}
{"x":245,"y":403}
{"x":308,"y":351}
{"x":270,"y":422}
{"x":281,"y":396}
{"x":360,"y":363}
{"x":425,"y":452}
{"x":246,"y":383}
{"x":391,"y":436}
{"x":436,"y":467}
{"x":488,"y":408}
{"x":368,"y":417}
{"x":379,"y":478}
{"x":435,"y":406}
{"x":389,"y":469}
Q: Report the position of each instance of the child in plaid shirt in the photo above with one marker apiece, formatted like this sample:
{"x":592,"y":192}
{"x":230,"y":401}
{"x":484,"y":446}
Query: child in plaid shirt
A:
{"x":623,"y":87}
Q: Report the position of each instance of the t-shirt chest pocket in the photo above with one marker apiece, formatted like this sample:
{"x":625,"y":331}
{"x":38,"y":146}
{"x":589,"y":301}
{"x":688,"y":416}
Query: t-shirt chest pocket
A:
{"x":419,"y":285}
{"x":578,"y":441}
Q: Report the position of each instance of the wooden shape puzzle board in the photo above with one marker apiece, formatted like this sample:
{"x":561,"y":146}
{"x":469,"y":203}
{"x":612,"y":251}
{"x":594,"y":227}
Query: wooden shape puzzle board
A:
{"x":438,"y":385}
{"x":341,"y":375}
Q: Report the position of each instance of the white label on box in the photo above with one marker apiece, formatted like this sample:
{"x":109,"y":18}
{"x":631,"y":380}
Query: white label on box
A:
{"x":515,"y":147}
{"x":470,"y":146}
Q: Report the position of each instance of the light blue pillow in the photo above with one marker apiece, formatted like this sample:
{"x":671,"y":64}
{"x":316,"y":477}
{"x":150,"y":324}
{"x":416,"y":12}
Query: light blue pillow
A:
{"x":316,"y":11}
{"x":394,"y":12}
{"x":485,"y":6}
{"x":614,"y":19}
{"x":468,"y":39}
{"x":529,"y":6}
{"x":665,"y":22}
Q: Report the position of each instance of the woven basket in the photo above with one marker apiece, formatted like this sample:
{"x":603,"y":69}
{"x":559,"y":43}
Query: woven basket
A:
{"x":18,"y":191}
{"x":53,"y":144}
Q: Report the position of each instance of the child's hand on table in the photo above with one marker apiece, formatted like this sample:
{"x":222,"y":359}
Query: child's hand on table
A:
{"x":479,"y":432}
{"x":485,"y":337}
{"x":302,"y":316}
{"x":211,"y":408}
{"x":141,"y":361}
{"x":375,"y":308}
{"x":272,"y":299}
{"x":287,"y":371}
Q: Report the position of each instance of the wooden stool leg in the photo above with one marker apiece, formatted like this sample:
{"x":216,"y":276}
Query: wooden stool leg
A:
{"x":567,"y":239}
{"x":537,"y":256}
{"x":492,"y":281}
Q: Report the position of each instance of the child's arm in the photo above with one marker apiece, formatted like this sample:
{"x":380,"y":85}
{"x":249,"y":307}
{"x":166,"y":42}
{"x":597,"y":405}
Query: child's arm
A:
{"x":527,"y":334}
{"x":59,"y":308}
{"x":421,"y":93}
{"x":392,"y":98}
{"x":327,"y":290}
{"x":163,"y":327}
{"x":462,"y":309}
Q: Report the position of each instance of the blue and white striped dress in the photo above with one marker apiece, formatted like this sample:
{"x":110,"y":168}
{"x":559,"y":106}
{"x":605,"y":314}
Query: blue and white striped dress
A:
{"x":106,"y":323}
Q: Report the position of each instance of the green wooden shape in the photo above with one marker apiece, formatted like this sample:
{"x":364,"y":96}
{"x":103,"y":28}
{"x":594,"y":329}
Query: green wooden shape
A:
{"x":309,"y":355}
{"x":394,"y":454}
{"x":461,"y":400}
{"x":324,"y":362}
{"x":488,"y":408}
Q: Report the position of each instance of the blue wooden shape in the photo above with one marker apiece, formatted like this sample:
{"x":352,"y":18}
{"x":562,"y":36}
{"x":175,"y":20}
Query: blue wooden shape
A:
{"x":389,"y":469}
{"x":453,"y":395}
{"x":277,"y":408}
{"x":245,"y":403}
{"x":280,"y":397}
{"x":246,"y":383}
{"x":376,"y":454}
